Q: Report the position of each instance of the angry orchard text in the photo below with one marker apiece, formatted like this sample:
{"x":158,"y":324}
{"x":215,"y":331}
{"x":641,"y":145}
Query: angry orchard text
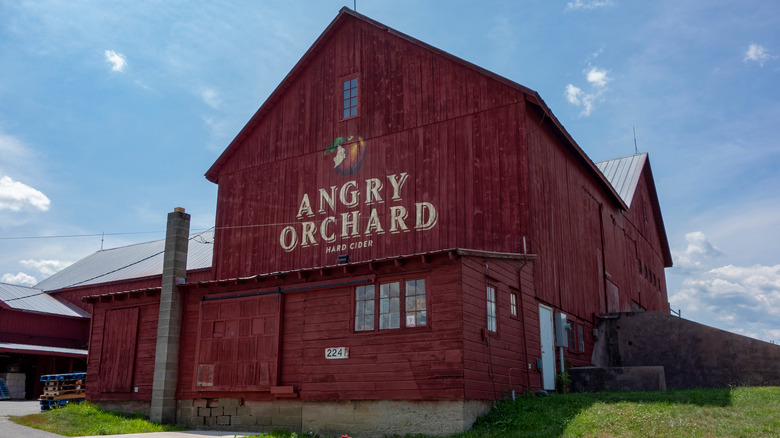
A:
{"x":389,"y":214}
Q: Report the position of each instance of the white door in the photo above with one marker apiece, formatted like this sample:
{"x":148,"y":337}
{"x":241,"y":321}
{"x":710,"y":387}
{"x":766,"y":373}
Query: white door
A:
{"x":548,"y":347}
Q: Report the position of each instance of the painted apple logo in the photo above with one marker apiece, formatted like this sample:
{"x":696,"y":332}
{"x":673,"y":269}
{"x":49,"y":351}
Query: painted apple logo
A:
{"x":347,"y":153}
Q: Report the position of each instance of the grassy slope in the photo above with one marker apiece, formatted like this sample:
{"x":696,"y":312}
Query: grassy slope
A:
{"x":735,"y":412}
{"x":87,"y":419}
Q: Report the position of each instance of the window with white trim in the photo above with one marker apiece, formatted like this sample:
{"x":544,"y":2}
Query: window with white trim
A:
{"x":492,"y":323}
{"x":364,"y":308}
{"x":513,"y":304}
{"x":400,"y":304}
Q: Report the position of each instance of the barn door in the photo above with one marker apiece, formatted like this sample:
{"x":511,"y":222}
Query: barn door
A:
{"x":117,"y":357}
{"x":238,"y":344}
{"x":548,"y":347}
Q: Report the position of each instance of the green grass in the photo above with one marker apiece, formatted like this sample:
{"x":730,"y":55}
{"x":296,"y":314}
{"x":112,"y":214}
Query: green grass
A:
{"x":734,"y":412}
{"x":87,"y":419}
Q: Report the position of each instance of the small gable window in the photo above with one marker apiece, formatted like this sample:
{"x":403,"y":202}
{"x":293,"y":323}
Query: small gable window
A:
{"x":350,"y":97}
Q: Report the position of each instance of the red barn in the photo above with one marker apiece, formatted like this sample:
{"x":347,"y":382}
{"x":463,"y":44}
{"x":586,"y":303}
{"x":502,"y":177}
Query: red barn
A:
{"x":39,"y":335}
{"x":397,"y":230}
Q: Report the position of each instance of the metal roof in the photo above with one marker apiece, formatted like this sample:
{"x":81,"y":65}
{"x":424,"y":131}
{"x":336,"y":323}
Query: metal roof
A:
{"x":623,"y":173}
{"x":129,"y":262}
{"x":36,"y":300}
{"x":45,"y":349}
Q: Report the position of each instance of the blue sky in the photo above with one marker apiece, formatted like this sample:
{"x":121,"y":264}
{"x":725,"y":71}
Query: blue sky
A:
{"x":111,"y":112}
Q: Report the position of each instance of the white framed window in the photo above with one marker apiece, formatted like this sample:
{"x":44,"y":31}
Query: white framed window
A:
{"x":389,"y":306}
{"x":416,"y":306}
{"x":364,"y":308}
{"x":399,"y":304}
{"x":492,"y":323}
{"x":513,"y":304}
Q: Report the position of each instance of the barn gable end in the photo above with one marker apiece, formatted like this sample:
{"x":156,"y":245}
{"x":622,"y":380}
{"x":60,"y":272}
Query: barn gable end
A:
{"x":396,"y":231}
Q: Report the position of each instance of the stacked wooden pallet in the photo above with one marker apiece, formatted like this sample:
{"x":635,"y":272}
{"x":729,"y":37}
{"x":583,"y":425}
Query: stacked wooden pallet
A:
{"x":61,"y":389}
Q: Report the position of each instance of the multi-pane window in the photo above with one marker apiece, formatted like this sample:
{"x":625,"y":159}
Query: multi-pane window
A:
{"x":415,"y":303}
{"x":513,"y":304}
{"x":350,"y":97}
{"x":388,"y":305}
{"x":364,"y":308}
{"x":491,"y":309}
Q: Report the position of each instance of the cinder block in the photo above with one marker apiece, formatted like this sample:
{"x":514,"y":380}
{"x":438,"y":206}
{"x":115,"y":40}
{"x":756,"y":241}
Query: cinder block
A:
{"x":228,"y":410}
{"x":212,"y":402}
{"x":199,"y":403}
{"x":211,"y":421}
{"x":216,"y":412}
{"x":196,"y":421}
{"x":262,"y":410}
{"x":204,"y":412}
{"x":223,"y":420}
{"x":290,"y":409}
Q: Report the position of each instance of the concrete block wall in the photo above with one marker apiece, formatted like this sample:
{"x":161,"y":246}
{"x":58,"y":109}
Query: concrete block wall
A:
{"x":691,"y":354}
{"x":365,"y":418}
{"x":15,"y":384}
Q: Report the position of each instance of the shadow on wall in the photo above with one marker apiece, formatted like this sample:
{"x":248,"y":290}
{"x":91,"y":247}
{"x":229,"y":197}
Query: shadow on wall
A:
{"x":693,"y":355}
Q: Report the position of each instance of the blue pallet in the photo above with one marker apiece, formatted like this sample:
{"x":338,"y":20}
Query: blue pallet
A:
{"x":71,"y":376}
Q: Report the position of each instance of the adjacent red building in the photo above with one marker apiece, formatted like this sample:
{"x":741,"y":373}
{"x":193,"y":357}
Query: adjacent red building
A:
{"x":397,"y":231}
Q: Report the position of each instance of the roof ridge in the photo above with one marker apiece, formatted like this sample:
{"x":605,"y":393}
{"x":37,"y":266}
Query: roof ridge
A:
{"x":624,"y":156}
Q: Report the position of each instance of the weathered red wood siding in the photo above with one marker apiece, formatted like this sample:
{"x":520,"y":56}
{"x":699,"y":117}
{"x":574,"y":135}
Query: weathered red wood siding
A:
{"x":587,"y":245}
{"x":456,"y":132}
{"x":414,"y":363}
{"x":43,"y":329}
{"x":498,"y":362}
{"x":115,"y":369}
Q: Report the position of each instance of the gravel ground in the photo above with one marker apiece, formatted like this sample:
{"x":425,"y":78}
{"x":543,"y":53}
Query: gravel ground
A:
{"x":9,"y":429}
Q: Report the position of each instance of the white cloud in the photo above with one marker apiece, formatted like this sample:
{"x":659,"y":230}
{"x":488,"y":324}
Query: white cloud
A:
{"x":211,"y":97}
{"x":117,"y":60}
{"x":15,"y":196}
{"x":698,"y":251}
{"x":592,"y":4}
{"x":597,"y":77}
{"x":741,"y":299}
{"x":757,"y":53}
{"x":20,"y":278}
{"x":45,"y":267}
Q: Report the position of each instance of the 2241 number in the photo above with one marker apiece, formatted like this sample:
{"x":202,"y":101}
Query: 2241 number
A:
{"x":337,"y":353}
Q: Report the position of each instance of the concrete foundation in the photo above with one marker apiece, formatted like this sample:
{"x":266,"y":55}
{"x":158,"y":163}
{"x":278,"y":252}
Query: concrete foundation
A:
{"x":691,"y":354}
{"x":594,"y":379}
{"x":364,"y":418}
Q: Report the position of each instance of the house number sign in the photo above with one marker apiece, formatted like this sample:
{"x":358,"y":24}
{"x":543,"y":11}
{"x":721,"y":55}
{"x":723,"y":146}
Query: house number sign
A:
{"x":337,"y":353}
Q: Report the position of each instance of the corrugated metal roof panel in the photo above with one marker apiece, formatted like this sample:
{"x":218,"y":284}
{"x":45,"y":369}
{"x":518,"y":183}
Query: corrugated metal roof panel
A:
{"x":623,"y":173}
{"x":36,"y":300}
{"x":128,"y":262}
{"x":41,"y":349}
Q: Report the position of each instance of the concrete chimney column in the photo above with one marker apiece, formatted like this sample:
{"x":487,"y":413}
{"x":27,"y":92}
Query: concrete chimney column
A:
{"x":166,"y":361}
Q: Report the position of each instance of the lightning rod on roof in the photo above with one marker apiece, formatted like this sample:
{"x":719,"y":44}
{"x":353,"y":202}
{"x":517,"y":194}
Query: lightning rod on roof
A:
{"x":636,"y":150}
